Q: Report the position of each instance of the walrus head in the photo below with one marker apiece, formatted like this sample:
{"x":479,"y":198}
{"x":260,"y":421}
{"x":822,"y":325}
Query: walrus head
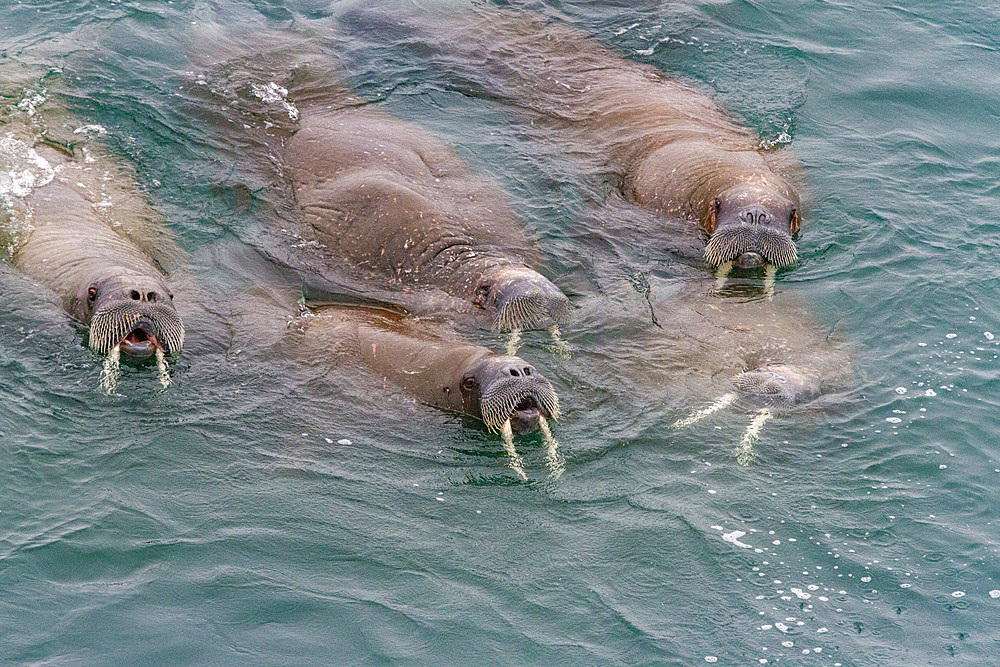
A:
{"x":519,"y":298}
{"x":751,"y":225}
{"x":499,"y":388}
{"x":134,"y":312}
{"x":778,"y":385}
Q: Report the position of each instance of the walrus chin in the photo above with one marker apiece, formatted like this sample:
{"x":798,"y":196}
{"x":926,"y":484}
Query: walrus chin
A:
{"x":519,"y":400}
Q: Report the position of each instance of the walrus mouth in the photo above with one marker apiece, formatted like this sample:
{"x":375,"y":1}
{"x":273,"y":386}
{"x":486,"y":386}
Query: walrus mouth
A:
{"x":521,"y":400}
{"x":750,"y":246}
{"x":777,"y":387}
{"x":140,"y":330}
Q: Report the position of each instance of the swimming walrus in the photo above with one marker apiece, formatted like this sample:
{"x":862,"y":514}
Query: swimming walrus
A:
{"x":423,"y":357}
{"x":74,"y":223}
{"x":671,"y":148}
{"x":388,"y":197}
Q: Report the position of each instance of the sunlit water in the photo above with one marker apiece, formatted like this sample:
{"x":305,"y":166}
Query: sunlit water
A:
{"x":262,"y":511}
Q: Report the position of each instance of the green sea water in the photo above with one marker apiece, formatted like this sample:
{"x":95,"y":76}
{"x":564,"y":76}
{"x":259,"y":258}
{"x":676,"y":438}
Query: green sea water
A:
{"x":256,"y":513}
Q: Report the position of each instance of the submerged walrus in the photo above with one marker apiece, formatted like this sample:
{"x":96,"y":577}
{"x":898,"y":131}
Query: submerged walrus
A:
{"x":74,"y":227}
{"x":388,"y":197}
{"x":672,"y":148}
{"x":426,"y":359}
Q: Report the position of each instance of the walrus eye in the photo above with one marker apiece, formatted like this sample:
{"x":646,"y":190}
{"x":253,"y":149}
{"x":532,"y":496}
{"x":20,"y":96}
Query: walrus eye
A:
{"x":469,"y":383}
{"x":91,"y":294}
{"x":482,"y":293}
{"x":713,"y":213}
{"x":793,"y":223}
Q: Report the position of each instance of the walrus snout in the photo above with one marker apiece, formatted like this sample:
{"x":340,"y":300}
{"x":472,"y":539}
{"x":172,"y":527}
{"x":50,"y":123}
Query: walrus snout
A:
{"x":513,"y":390}
{"x":523,"y":299}
{"x":752,"y":226}
{"x":778,"y":386}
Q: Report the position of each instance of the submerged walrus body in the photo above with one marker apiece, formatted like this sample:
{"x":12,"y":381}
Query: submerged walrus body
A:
{"x":83,"y":238}
{"x":426,"y":359}
{"x":672,"y":148}
{"x":388,"y":198}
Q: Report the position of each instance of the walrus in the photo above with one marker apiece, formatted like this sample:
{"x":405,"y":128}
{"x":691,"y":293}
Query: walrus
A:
{"x":423,"y":357}
{"x":383,"y":198}
{"x":74,"y":223}
{"x":769,"y":354}
{"x":671,"y":148}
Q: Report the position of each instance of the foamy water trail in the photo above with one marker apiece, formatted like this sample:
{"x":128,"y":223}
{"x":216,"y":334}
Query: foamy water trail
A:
{"x":515,"y":461}
{"x":513,"y":342}
{"x":161,"y":365}
{"x":745,"y":453}
{"x":111,"y":371}
{"x":724,"y":401}
{"x":552,"y":458}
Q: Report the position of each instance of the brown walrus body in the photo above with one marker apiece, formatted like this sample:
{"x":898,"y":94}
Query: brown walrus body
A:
{"x":389,"y":198}
{"x":424,"y":358}
{"x":673,"y":149}
{"x":77,"y":228}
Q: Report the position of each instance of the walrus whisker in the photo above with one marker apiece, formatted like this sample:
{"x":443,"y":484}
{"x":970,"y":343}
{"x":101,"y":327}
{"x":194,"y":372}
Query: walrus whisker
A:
{"x":724,"y":401}
{"x":111,"y":371}
{"x":514,"y":460}
{"x":559,"y":347}
{"x":722,"y":273}
{"x":770,"y":273}
{"x":161,"y":365}
{"x":552,"y":458}
{"x":744,"y":451}
{"x":513,"y":342}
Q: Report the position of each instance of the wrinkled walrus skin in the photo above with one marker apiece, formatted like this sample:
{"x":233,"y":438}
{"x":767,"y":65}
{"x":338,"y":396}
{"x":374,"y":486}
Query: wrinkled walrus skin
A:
{"x":386,"y":196}
{"x":86,"y":241}
{"x":674,"y":150}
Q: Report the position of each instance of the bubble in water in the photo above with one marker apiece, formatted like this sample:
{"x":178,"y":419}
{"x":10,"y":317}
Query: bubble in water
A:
{"x":893,"y":420}
{"x":958,"y":594}
{"x":989,"y":336}
{"x":995,"y":594}
{"x":930,"y":392}
{"x":711,"y":658}
{"x":951,"y":335}
{"x":900,"y":390}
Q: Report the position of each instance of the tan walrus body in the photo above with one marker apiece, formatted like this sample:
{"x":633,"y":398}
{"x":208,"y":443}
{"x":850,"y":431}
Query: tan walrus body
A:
{"x":79,"y":227}
{"x":673,"y":149}
{"x":387,"y":197}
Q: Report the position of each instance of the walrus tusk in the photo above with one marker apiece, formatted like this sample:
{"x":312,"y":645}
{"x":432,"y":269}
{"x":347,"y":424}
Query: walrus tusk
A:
{"x":161,"y":365}
{"x":508,"y":444}
{"x":556,"y":467}
{"x":111,"y":371}
{"x":559,"y":347}
{"x":722,"y":273}
{"x":724,"y":401}
{"x":770,"y":272}
{"x":744,"y":451}
{"x":513,"y":342}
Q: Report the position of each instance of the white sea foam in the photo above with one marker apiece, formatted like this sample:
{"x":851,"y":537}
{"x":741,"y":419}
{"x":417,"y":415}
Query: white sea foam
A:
{"x":273,"y":93}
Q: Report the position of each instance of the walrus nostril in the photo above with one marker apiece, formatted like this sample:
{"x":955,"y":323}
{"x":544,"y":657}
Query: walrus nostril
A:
{"x":135,"y":295}
{"x":151,"y":297}
{"x":527,"y":371}
{"x":514,"y":372}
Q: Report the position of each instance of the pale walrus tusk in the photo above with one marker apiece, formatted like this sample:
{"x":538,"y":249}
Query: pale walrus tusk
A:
{"x":508,"y":444}
{"x":724,"y":401}
{"x":559,"y":347}
{"x":513,"y":342}
{"x":770,"y":272}
{"x":744,"y":451}
{"x":161,"y":365}
{"x":552,"y":458}
{"x":111,"y":371}
{"x":721,"y":274}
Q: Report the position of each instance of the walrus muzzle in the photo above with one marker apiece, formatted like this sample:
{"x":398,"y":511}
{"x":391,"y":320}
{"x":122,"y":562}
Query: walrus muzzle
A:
{"x":519,"y":399}
{"x":749,"y":245}
{"x":778,"y":386}
{"x":140,"y":328}
{"x":524,"y":299}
